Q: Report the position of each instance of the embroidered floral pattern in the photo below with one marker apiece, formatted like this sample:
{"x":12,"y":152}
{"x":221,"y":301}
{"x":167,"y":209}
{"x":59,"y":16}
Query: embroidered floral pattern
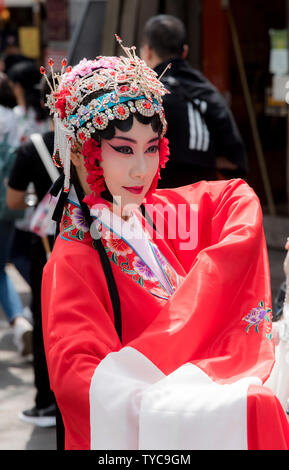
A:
{"x":256,"y":316}
{"x":73,"y":227}
{"x":143,"y":270}
{"x":78,"y":219}
{"x":130,"y":263}
{"x":116,"y":245}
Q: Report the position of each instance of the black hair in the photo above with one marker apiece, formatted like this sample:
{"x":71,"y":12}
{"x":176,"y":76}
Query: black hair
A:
{"x":123,"y":125}
{"x":7,"y":98}
{"x":126,"y":125}
{"x":44,"y":90}
{"x":166,"y":35}
{"x":27,"y":74}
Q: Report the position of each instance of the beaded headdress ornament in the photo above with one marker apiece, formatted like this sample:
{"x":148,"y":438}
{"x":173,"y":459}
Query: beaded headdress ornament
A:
{"x":126,"y":85}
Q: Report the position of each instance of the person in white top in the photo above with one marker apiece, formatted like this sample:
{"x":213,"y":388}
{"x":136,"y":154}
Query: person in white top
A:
{"x":279,"y":379}
{"x":9,"y":298}
{"x":31,"y":117}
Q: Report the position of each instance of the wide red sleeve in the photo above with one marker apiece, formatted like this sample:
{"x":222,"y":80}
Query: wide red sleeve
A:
{"x":267,"y":422}
{"x":219,"y":318}
{"x":78,"y":331}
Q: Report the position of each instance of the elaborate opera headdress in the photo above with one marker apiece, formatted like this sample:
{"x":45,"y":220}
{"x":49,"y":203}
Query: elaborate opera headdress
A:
{"x":123,"y":86}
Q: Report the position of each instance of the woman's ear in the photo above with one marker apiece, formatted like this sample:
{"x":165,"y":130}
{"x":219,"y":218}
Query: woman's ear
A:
{"x":75,"y":155}
{"x":145,"y":52}
{"x":185,"y":51}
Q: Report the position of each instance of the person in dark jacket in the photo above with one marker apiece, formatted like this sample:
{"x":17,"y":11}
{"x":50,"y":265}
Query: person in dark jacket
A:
{"x":202,"y":131}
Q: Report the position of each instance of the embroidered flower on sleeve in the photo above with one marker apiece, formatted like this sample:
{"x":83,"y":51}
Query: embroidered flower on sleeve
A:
{"x":256,"y":316}
{"x":78,"y":219}
{"x":143,"y":270}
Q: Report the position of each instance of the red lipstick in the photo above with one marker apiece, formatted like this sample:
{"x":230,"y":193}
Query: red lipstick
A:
{"x":134,"y":189}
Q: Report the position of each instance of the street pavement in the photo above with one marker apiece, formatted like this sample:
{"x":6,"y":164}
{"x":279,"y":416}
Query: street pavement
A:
{"x":16,"y":388}
{"x":16,"y":375}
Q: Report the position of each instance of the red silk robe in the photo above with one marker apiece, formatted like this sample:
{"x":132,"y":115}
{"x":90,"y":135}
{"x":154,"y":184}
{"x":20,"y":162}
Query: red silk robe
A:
{"x":197,"y":343}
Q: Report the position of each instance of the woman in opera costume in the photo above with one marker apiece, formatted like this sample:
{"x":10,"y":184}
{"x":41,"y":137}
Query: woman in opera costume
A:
{"x":156,"y":303}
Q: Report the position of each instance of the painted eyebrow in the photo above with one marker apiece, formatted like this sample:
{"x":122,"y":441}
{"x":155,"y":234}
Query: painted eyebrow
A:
{"x":134,"y":141}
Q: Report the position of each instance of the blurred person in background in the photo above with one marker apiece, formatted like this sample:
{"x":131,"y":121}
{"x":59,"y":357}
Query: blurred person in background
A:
{"x":28,"y":168}
{"x":11,"y":54}
{"x":203,"y":135}
{"x":9,"y":297}
{"x":31,"y":117}
{"x":279,"y":378}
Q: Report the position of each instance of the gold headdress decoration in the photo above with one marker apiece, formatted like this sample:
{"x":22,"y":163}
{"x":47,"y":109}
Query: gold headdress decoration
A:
{"x":125,"y":84}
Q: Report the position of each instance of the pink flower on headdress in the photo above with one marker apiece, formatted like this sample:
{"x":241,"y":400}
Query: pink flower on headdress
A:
{"x":85,"y":67}
{"x":107,"y":62}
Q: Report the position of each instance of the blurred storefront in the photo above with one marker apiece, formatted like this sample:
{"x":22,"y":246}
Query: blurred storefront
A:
{"x":21,"y":27}
{"x":240,"y":46}
{"x":244,"y":52}
{"x":256,"y":71}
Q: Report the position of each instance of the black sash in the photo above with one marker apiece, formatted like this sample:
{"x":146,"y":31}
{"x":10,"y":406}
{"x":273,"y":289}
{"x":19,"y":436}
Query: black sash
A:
{"x":113,"y":291}
{"x":112,"y":287}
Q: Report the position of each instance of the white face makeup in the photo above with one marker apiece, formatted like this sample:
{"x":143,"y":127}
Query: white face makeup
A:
{"x":130,"y":161}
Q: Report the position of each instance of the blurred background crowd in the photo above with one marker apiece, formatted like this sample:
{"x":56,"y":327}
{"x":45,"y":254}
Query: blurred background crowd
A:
{"x":241,"y":47}
{"x":227,"y":116}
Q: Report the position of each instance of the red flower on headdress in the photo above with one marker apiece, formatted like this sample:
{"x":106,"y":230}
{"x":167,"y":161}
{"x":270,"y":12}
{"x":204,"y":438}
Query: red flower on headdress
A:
{"x":61,"y":102}
{"x":164,"y":153}
{"x":91,"y":150}
{"x":92,"y":155}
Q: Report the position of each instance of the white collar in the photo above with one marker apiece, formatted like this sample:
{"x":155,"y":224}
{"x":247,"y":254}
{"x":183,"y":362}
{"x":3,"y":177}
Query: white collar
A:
{"x":132,"y":232}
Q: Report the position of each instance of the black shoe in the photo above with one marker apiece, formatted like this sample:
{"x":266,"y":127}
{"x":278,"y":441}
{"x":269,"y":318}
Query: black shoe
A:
{"x":43,"y":417}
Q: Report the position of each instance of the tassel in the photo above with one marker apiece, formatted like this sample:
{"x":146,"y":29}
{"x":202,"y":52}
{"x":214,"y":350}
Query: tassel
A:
{"x":62,"y":144}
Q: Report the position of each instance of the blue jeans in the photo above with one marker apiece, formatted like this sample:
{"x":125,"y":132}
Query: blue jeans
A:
{"x":20,"y":252}
{"x":9,"y":298}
